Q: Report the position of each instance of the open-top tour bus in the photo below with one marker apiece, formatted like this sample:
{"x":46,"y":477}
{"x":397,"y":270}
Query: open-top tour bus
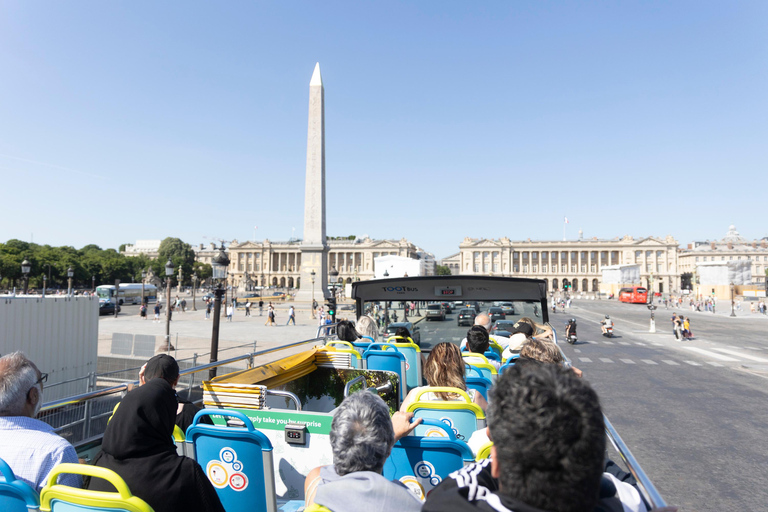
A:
{"x":272,"y":422}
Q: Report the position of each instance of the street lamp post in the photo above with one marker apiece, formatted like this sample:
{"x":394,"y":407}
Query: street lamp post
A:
{"x":45,"y":281}
{"x":26,"y":266}
{"x":168,"y":274}
{"x":312,"y":306}
{"x":93,"y":284}
{"x":334,"y":274}
{"x":143,"y":278}
{"x":220,"y":262}
{"x":194,"y":282}
{"x":733,"y":313}
{"x":70,"y":275}
{"x":179,"y":286}
{"x":386,"y":305}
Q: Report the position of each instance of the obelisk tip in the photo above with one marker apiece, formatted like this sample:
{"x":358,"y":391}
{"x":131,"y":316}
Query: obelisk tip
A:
{"x":316,"y":78}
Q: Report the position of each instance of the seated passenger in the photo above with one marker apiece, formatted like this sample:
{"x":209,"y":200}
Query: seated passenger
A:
{"x":548,"y":455}
{"x":483,"y":320}
{"x":540,"y":331}
{"x":137,"y":445}
{"x":521,"y":332}
{"x":444,"y":367}
{"x":478,"y":342}
{"x":29,"y":446}
{"x":345,"y":331}
{"x":366,"y":326}
{"x":163,"y":366}
{"x":362,"y":436}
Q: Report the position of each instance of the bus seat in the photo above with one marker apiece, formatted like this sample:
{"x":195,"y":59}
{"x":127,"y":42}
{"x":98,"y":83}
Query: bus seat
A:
{"x":509,"y":362}
{"x":485,"y":451}
{"x":491,"y":355}
{"x":56,"y":497}
{"x":238,"y":461}
{"x":421,"y":463}
{"x":16,"y":495}
{"x":496,"y":348}
{"x":476,"y":361}
{"x":480,"y":384}
{"x":471,"y":371}
{"x":179,"y":440}
{"x":363,"y":343}
{"x":462,"y":416}
{"x":412,"y":354}
{"x":386,"y":357}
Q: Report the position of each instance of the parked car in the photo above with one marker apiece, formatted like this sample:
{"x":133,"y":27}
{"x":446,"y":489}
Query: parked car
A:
{"x":392,"y":328}
{"x":466,"y":317}
{"x":107,"y":308}
{"x":435,"y":312}
{"x":496,"y":314}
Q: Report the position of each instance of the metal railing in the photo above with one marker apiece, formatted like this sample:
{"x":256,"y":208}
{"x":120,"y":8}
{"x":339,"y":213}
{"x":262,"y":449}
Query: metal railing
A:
{"x":82,"y":417}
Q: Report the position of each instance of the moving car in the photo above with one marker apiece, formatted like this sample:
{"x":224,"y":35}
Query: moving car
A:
{"x":501,"y":326}
{"x":107,"y":308}
{"x":435,"y":312}
{"x":447,"y":306}
{"x":392,"y":328}
{"x":496,"y":314}
{"x":466,"y":317}
{"x":508,"y":308}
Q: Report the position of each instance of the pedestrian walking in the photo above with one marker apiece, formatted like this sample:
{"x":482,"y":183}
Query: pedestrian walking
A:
{"x":208,"y":306}
{"x":291,"y":316}
{"x":270,"y":315}
{"x":248,"y":308}
{"x":261,"y":307}
{"x":183,"y":305}
{"x":157,"y":312}
{"x":230,"y":312}
{"x":143,"y":311}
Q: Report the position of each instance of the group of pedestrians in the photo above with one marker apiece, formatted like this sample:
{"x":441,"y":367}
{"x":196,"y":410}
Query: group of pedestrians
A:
{"x":681,"y":326}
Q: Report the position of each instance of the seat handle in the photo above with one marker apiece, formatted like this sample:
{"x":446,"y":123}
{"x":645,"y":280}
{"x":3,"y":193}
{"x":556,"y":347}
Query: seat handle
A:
{"x":223,"y":412}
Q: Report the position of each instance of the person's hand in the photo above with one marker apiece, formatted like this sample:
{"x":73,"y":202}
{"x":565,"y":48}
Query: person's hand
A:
{"x":578,"y":372}
{"x":401,"y":423}
{"x":141,"y":374}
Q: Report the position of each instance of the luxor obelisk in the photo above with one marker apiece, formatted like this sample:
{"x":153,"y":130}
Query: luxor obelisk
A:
{"x":314,"y":251}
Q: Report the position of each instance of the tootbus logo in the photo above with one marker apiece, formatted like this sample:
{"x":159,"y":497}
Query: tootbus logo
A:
{"x":399,"y":289}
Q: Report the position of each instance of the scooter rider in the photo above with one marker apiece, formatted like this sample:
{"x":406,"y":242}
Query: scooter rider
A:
{"x":570,"y":328}
{"x":605,"y":324}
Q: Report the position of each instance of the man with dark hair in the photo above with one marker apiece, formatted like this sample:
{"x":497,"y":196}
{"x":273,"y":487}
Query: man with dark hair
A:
{"x":548,"y":452}
{"x":29,"y":446}
{"x":478,"y":342}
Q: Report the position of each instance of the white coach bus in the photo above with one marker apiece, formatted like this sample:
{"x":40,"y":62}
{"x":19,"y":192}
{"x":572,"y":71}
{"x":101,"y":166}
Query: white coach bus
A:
{"x":129,"y":293}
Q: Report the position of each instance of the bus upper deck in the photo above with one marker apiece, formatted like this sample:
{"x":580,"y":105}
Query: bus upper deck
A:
{"x":290,"y":402}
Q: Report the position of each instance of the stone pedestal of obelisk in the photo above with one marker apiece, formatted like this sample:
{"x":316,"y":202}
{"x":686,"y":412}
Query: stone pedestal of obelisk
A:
{"x":314,"y":251}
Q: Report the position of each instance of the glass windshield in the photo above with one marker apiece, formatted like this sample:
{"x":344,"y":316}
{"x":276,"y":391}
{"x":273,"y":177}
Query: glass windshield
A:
{"x":431,"y":331}
{"x":104,"y":293}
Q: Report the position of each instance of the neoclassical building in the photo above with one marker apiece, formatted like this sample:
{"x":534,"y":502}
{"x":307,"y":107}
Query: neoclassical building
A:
{"x":577,"y":263}
{"x":268,"y":263}
{"x":729,"y":248}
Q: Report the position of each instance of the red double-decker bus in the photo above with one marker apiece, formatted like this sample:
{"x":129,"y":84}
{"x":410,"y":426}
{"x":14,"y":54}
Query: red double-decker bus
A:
{"x":634,"y":295}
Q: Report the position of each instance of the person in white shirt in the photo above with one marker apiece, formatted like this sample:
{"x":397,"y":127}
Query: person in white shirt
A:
{"x":29,"y":446}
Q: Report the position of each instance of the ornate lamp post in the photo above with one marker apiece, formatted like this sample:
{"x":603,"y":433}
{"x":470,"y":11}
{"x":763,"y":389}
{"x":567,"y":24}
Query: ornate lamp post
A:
{"x":143,"y":278}
{"x":45,"y":281}
{"x":733,"y":313}
{"x":386,"y":305}
{"x":194,"y":282}
{"x":93,"y":284}
{"x":168,"y":275}
{"x":312,"y":307}
{"x":70,"y":275}
{"x":220,"y":262}
{"x":334,"y":275}
{"x":26,"y":266}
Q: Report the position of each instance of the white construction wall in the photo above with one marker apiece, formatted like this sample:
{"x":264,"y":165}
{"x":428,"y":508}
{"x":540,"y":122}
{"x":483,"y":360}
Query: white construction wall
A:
{"x":621,"y":274}
{"x":59,"y":334}
{"x":723,"y":273}
{"x":397,"y":266}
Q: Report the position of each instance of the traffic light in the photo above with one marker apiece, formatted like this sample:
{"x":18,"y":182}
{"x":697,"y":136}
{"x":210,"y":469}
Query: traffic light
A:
{"x":331,"y":307}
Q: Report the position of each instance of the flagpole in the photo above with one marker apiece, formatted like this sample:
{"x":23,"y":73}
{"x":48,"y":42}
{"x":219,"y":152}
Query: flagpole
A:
{"x":564,"y":223}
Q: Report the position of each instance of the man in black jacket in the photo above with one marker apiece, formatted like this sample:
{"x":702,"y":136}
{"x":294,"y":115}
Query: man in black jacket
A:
{"x":548,"y":453}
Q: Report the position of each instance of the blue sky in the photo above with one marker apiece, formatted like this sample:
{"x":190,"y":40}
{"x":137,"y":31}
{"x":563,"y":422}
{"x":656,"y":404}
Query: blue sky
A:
{"x":133,"y":120}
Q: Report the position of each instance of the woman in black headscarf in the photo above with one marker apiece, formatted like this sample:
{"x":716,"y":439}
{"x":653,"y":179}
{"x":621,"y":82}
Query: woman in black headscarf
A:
{"x":138,"y":446}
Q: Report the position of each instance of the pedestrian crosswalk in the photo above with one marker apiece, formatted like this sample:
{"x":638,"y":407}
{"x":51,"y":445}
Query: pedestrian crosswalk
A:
{"x":714,"y":357}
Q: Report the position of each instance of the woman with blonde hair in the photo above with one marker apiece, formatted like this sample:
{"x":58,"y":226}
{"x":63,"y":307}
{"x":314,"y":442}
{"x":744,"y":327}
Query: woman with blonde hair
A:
{"x":366,"y":326}
{"x":540,"y":331}
{"x":444,"y":367}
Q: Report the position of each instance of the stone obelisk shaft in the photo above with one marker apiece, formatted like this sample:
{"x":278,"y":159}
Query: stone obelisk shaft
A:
{"x":314,"y":251}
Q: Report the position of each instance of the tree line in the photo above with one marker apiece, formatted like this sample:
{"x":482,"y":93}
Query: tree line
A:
{"x":106,"y":265}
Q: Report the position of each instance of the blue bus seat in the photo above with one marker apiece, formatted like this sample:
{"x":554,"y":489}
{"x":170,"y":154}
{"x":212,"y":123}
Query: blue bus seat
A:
{"x":479,"y":384}
{"x":483,"y":366}
{"x":421,"y":463}
{"x":386,"y":357}
{"x":412,"y":353}
{"x":509,"y":362}
{"x":62,"y":498}
{"x":471,"y":371}
{"x":238,"y":461}
{"x":362,"y":344}
{"x":462,"y":415}
{"x":491,"y":355}
{"x":16,"y":495}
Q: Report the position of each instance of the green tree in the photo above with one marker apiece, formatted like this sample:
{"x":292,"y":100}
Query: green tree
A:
{"x":180,"y":253}
{"x":442,"y":270}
